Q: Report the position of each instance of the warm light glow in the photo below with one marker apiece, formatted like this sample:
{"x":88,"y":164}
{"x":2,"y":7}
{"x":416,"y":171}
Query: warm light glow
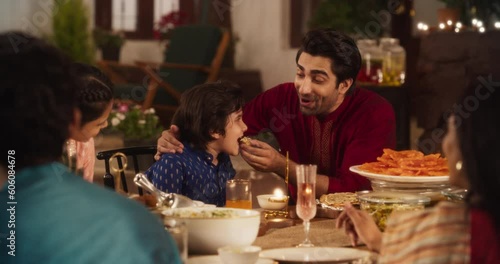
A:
{"x":458,"y":25}
{"x":482,"y":30}
{"x":479,"y":23}
{"x":497,"y":24}
{"x":474,"y":21}
{"x":449,"y":22}
{"x":441,"y":25}
{"x":278,"y":193}
{"x":425,"y":28}
{"x":457,"y":30}
{"x":420,"y":25}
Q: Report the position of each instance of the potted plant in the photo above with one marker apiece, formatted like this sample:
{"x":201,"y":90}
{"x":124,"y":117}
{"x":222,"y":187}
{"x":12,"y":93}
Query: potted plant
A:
{"x":109,"y":42}
{"x":139,"y":127}
{"x":163,"y":28}
{"x":70,"y":25}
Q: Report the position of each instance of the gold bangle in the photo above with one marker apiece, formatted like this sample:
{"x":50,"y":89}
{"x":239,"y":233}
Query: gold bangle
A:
{"x":287,"y":168}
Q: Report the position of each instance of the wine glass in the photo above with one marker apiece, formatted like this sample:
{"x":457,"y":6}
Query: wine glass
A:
{"x":306,"y":198}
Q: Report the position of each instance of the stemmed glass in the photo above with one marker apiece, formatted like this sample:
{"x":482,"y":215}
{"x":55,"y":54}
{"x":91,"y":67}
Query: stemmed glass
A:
{"x":306,"y":198}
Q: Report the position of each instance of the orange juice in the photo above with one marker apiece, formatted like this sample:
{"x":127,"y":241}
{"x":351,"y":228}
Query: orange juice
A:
{"x":244,"y":204}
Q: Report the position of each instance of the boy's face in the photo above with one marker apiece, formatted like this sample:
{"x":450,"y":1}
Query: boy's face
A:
{"x":235,"y":128}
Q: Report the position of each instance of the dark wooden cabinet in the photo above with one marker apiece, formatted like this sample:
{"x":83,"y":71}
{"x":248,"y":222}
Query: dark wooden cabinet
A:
{"x":398,"y":97}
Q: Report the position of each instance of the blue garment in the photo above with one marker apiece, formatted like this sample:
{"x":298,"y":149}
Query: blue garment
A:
{"x":61,"y":218}
{"x":193,"y":174}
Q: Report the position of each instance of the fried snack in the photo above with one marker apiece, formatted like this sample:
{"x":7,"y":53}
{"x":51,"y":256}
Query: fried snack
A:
{"x":407,"y":163}
{"x":337,"y":200}
{"x":245,"y":140}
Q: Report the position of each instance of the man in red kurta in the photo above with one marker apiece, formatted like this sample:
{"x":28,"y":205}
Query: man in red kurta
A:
{"x":356,"y":132}
{"x":320,"y":118}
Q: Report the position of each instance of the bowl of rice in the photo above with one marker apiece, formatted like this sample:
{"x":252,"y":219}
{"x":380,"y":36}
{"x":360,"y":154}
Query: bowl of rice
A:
{"x":210,"y":228}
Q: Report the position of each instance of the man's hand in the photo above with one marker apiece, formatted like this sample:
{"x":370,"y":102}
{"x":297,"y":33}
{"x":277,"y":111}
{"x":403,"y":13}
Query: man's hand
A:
{"x":168,"y":142}
{"x":261,"y":156}
{"x":359,"y":225}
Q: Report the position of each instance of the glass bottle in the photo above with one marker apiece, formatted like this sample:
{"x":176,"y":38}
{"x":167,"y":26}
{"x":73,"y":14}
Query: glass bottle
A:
{"x":394,"y":63}
{"x":371,"y":62}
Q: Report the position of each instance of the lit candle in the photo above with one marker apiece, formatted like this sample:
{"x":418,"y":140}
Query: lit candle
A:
{"x":497,"y":24}
{"x":449,"y":22}
{"x":458,"y":25}
{"x":278,"y":196}
{"x":441,"y":26}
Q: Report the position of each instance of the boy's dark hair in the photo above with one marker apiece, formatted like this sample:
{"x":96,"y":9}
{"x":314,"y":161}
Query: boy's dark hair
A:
{"x":204,"y":109}
{"x":96,"y":91}
{"x":339,"y":48}
{"x":38,"y":98}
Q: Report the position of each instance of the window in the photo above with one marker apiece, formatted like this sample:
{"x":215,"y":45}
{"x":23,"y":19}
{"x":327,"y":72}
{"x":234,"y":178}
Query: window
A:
{"x":134,"y":17}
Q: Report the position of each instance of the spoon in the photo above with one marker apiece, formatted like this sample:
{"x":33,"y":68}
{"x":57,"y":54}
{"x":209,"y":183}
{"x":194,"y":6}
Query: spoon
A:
{"x":170,"y":200}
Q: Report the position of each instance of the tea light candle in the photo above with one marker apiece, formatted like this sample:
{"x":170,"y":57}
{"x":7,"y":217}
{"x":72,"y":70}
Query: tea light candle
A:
{"x":278,"y":196}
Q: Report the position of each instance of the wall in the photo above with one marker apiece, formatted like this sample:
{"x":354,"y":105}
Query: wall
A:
{"x":262,"y":27}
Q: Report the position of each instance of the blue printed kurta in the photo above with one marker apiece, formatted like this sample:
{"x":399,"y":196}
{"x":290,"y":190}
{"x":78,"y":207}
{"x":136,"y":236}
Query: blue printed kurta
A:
{"x":192,"y":174}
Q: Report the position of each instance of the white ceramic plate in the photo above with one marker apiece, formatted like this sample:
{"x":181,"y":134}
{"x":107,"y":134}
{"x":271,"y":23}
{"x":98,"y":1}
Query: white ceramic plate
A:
{"x":315,"y":255}
{"x":215,"y":259}
{"x":392,"y":178}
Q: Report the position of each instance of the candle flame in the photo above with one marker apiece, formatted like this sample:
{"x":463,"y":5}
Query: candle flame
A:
{"x":278,"y":192}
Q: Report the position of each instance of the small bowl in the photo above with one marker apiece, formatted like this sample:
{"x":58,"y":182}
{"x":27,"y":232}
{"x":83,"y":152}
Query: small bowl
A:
{"x":272,"y":202}
{"x":239,"y":254}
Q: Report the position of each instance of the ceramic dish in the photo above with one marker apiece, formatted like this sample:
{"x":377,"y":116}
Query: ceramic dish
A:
{"x":392,"y":178}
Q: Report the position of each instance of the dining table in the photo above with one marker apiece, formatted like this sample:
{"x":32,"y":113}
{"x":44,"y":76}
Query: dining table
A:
{"x":284,"y":230}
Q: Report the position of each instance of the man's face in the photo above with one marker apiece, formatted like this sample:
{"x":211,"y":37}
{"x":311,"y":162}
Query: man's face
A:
{"x":316,"y":85}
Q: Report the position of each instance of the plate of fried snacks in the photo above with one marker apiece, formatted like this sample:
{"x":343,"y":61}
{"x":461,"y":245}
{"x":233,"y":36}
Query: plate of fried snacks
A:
{"x":335,"y":201}
{"x":405,"y":166}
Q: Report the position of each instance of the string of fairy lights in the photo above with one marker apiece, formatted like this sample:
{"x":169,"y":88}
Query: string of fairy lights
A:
{"x":476,"y":25}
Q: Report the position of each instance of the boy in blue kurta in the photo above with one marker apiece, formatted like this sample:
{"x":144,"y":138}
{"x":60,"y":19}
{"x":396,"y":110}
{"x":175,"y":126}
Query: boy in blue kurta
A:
{"x":210,"y":120}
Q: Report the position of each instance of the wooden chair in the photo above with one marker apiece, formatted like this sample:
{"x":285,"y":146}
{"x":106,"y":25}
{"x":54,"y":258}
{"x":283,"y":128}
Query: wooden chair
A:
{"x":134,"y":155}
{"x":194,"y":56}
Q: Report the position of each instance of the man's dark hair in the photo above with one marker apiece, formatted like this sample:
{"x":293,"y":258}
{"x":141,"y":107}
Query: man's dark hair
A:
{"x":38,"y":98}
{"x":204,"y":109}
{"x":96,"y":91}
{"x":339,"y":48}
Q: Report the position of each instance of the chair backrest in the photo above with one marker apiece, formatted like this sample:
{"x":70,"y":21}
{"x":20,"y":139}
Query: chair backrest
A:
{"x":203,"y":45}
{"x":141,"y":157}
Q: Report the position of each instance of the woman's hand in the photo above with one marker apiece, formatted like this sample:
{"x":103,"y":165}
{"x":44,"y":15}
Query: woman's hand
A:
{"x":168,"y":142}
{"x":359,"y":225}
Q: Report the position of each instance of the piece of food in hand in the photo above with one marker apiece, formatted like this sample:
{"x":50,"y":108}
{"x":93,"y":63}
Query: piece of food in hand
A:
{"x":245,"y":140}
{"x":337,"y":200}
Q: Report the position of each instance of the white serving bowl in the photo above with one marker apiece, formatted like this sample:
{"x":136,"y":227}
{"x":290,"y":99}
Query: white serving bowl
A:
{"x":271,"y":202}
{"x":208,"y":230}
{"x":239,"y":254}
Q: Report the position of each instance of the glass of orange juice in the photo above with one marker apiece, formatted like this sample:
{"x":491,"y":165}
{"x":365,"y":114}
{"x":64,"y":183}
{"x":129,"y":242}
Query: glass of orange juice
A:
{"x":238,"y":194}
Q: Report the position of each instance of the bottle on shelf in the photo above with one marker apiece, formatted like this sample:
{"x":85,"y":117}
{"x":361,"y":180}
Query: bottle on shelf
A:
{"x":371,"y":62}
{"x":394,"y":62}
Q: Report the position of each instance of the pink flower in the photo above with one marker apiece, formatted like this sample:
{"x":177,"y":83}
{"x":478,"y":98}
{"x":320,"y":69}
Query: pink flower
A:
{"x":123,"y":108}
